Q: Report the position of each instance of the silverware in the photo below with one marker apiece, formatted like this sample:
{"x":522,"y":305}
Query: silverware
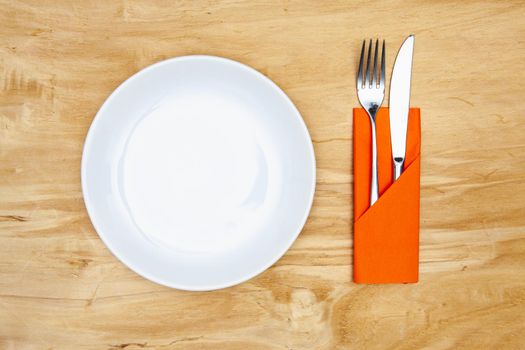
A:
{"x":400,"y":102}
{"x":371,"y":95}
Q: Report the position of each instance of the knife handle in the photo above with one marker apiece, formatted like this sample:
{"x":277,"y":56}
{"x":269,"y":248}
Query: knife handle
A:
{"x":398,"y":167}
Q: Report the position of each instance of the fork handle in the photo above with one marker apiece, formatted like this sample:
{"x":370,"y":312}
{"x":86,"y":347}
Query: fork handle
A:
{"x":374,"y":186}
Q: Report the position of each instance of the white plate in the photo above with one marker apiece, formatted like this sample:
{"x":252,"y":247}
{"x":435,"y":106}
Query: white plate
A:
{"x":198,"y":173}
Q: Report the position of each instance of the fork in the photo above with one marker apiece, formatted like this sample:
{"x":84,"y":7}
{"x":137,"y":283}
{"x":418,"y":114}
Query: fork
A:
{"x":371,"y":95}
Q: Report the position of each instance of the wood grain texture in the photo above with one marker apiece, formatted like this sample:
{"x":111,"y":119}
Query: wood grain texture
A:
{"x":60,"y":288}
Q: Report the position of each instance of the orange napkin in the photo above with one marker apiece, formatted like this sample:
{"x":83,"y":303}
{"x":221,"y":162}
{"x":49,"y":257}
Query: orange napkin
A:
{"x":386,"y":235}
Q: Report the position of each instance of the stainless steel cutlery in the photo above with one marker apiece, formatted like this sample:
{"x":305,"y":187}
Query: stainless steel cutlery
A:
{"x":371,"y":92}
{"x":400,"y":102}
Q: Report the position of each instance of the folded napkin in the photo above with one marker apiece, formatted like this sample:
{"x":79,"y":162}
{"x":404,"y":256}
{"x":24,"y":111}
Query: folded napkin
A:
{"x":386,"y":235}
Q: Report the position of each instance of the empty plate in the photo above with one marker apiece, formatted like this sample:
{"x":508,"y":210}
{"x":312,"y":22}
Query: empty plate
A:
{"x":198,"y":172}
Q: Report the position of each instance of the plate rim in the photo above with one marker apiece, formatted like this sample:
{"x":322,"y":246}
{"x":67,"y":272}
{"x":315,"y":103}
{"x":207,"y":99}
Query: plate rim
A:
{"x":89,"y":205}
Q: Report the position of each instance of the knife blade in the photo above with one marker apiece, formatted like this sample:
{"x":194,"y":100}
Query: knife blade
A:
{"x":399,"y":103}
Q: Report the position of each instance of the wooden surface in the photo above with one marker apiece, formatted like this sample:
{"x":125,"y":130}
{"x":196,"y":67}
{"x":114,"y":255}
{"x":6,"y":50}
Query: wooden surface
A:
{"x":60,"y":288}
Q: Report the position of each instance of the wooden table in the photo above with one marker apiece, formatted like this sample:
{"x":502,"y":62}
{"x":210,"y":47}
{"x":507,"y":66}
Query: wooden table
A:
{"x":60,"y":288}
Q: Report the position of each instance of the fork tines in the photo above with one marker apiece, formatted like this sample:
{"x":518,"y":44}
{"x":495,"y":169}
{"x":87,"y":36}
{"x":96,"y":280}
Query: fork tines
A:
{"x":376,"y":75}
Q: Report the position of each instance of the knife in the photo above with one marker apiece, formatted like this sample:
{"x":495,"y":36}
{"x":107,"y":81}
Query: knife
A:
{"x":400,"y":102}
